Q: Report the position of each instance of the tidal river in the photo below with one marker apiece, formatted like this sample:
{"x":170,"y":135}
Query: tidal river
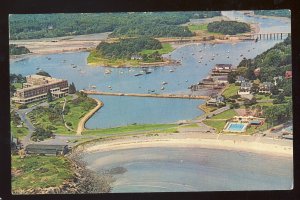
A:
{"x":127,"y":110}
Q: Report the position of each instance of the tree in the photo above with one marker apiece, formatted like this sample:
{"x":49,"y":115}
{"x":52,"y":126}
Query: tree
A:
{"x":232,"y":77}
{"x":12,"y":89}
{"x":274,"y":90}
{"x":72,"y":88}
{"x":49,"y":96}
{"x":279,"y":99}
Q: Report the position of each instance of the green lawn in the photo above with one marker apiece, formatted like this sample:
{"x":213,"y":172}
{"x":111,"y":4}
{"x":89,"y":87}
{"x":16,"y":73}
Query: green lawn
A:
{"x":18,"y":132}
{"x":39,"y":172}
{"x":207,"y":109}
{"x":197,"y":27}
{"x":217,"y":124}
{"x":76,"y":112}
{"x":262,"y":97}
{"x":225,"y":115}
{"x":17,"y":85}
{"x":167,"y":48}
{"x":231,"y":90}
{"x":133,"y":128}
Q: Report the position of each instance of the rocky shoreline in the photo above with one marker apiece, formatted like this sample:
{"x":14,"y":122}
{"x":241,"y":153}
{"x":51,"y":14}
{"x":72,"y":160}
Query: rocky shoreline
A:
{"x":84,"y":181}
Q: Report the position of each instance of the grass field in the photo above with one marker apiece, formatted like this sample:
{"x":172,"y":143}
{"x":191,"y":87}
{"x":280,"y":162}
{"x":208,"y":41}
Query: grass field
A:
{"x":17,"y":85}
{"x":133,"y":128}
{"x":39,"y":172}
{"x":231,"y":90}
{"x":207,"y":109}
{"x":167,"y":48}
{"x":197,"y":27}
{"x":262,"y":97}
{"x":18,"y":132}
{"x":76,"y":112}
{"x":217,"y":124}
{"x":225,"y":115}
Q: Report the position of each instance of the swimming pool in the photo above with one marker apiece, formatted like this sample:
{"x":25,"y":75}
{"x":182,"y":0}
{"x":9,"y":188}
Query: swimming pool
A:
{"x":236,"y":127}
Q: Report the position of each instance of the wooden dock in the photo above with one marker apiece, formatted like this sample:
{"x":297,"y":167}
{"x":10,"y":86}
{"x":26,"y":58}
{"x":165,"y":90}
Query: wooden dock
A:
{"x":179,"y":96}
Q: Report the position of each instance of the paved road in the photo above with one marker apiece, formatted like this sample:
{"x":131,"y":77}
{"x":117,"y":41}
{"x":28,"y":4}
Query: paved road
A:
{"x":23,"y":115}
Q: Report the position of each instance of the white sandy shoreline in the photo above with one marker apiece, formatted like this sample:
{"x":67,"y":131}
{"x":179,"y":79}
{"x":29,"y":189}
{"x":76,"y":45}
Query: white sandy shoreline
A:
{"x":235,"y":143}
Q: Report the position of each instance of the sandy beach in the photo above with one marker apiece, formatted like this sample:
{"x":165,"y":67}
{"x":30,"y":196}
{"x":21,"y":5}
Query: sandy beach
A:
{"x":256,"y":144}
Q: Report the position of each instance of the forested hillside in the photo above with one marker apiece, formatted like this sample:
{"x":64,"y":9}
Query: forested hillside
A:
{"x":127,"y":47}
{"x":160,"y":24}
{"x":273,"y":62}
{"x":228,"y":27}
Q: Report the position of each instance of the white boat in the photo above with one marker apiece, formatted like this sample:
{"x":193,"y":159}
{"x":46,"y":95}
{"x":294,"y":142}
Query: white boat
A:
{"x":93,"y":86}
{"x":107,"y":71}
{"x":164,"y":83}
{"x":186,"y":80}
{"x":109,"y":86}
{"x":162,"y":88}
{"x":171,"y":70}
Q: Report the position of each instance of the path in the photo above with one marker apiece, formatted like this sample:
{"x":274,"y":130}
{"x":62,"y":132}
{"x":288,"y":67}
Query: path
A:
{"x":82,"y":122}
{"x":23,"y":115}
{"x":181,"y":96}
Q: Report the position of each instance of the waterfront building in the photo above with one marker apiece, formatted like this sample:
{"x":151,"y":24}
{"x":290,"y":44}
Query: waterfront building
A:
{"x":37,"y":87}
{"x":44,"y":149}
{"x":222,"y":68}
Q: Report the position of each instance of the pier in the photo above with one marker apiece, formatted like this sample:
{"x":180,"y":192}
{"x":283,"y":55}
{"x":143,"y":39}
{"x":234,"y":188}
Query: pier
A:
{"x":178,"y":96}
{"x":267,"y":36}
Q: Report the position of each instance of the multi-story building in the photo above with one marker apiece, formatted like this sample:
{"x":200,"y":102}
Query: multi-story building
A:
{"x":37,"y":87}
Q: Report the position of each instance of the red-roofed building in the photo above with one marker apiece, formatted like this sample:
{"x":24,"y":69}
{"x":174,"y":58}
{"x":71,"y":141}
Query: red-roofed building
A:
{"x":288,"y":74}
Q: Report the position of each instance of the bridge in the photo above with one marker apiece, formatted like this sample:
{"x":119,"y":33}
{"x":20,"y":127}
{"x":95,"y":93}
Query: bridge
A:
{"x":267,"y":35}
{"x":179,"y":96}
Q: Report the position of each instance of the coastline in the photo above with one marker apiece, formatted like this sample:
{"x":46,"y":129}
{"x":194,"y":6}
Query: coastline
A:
{"x":255,"y":144}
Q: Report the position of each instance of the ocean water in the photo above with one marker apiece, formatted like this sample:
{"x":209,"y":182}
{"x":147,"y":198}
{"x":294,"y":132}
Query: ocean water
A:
{"x":193,"y":169}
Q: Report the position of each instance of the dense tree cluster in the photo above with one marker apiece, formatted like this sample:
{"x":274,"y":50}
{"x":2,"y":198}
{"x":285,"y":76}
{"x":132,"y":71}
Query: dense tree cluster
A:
{"x":33,"y":26}
{"x":41,"y":134}
{"x":127,"y":47}
{"x":280,"y":13}
{"x":273,"y":62}
{"x":17,"y":50}
{"x":228,"y":27}
{"x":72,"y":88}
{"x":278,"y":114}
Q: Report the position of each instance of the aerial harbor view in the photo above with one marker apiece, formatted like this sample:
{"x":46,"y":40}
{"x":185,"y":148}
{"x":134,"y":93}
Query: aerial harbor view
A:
{"x":151,"y":102}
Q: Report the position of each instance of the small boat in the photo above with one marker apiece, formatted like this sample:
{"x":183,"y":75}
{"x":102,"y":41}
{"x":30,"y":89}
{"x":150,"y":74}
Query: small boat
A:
{"x":212,"y":59}
{"x":241,"y":55}
{"x":162,"y":88}
{"x":74,"y":66}
{"x":193,"y":54}
{"x":249,"y":50}
{"x":164,"y":83}
{"x":227,"y":56}
{"x":199,"y":61}
{"x":186,"y":80}
{"x":107,"y":71}
{"x":138,"y":74}
{"x":93,"y":86}
{"x":228,"y":51}
{"x":38,"y":68}
{"x":109,"y":87}
{"x":148,"y":72}
{"x":171,"y":70}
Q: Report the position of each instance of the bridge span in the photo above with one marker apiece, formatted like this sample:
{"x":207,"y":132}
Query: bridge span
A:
{"x":179,"y":96}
